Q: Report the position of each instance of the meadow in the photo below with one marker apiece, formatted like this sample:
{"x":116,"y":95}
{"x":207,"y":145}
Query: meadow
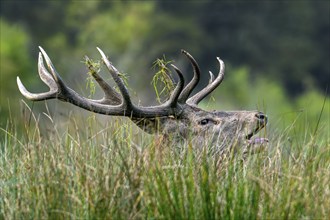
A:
{"x":85,"y":169}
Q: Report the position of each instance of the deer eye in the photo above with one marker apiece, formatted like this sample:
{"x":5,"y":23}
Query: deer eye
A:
{"x":205,"y":121}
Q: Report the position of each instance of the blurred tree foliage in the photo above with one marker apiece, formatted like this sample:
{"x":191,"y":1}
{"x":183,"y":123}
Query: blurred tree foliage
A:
{"x":287,"y":40}
{"x":14,"y":60}
{"x":282,"y":42}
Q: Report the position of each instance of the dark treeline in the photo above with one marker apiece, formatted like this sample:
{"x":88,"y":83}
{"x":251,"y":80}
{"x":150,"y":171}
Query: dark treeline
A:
{"x":287,"y":40}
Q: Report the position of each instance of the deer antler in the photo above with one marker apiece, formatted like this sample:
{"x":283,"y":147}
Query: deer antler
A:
{"x":213,"y":84}
{"x":193,"y":83}
{"x":114,"y":103}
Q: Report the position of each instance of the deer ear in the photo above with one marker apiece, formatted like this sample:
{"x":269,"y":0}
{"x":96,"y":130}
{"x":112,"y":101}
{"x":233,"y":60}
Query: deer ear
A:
{"x":149,"y":125}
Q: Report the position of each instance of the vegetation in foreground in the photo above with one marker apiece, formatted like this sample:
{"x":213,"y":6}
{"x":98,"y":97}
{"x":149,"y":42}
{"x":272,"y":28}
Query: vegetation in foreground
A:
{"x":99,"y":171}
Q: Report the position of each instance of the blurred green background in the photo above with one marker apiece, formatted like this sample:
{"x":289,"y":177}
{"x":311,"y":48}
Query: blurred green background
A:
{"x":276,"y":53}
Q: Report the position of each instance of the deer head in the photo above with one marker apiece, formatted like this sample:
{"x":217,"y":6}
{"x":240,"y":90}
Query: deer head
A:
{"x":178,"y":118}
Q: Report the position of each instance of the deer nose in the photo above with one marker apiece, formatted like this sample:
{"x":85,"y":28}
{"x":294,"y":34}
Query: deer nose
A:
{"x":262,"y":117}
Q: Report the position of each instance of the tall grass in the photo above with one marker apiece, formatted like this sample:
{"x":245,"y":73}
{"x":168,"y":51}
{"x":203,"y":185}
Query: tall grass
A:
{"x":113,"y":171}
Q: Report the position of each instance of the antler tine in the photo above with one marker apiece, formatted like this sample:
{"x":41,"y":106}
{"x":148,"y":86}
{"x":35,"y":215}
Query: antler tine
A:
{"x":52,"y":69}
{"x":115,"y":75}
{"x":47,"y":78}
{"x":210,"y":87}
{"x":193,"y":83}
{"x":211,"y":77}
{"x":34,"y":96}
{"x":172,"y":102}
{"x":111,"y":96}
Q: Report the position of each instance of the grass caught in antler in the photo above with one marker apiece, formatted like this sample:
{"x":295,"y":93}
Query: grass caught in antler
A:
{"x":162,"y":78}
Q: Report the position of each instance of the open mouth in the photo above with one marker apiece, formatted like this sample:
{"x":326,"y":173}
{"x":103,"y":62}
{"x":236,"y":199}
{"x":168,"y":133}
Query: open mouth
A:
{"x":255,"y":131}
{"x":256,"y":140}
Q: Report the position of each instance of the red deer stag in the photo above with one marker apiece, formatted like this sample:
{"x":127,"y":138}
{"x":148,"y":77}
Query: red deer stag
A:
{"x":178,"y":117}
